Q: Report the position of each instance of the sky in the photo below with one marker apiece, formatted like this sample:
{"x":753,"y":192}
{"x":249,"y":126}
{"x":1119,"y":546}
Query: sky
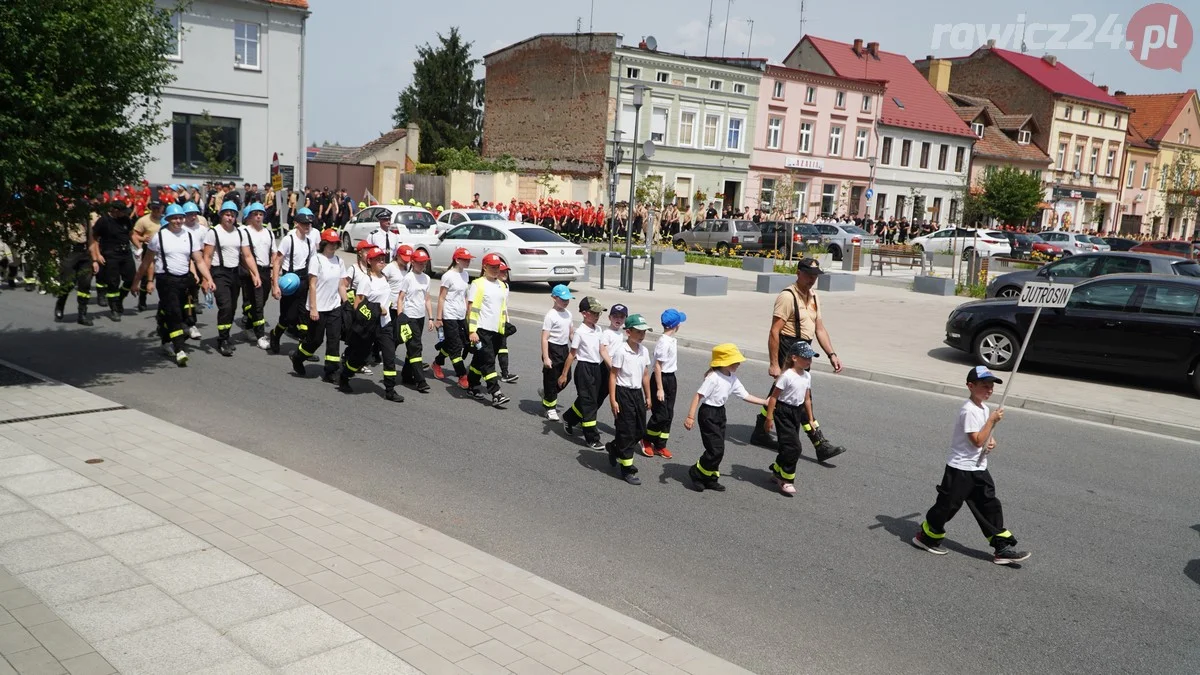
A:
{"x":370,"y":45}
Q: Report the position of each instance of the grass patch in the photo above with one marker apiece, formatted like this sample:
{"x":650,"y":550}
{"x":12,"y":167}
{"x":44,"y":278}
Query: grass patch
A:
{"x":719,"y":261}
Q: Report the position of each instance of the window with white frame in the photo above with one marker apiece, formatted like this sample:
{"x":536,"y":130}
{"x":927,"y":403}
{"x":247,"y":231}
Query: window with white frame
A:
{"x":839,"y":100}
{"x":632,"y":73}
{"x":1100,"y":118}
{"x":658,"y":124}
{"x":835,"y":141}
{"x":733,"y":141}
{"x":175,"y":50}
{"x":1162,"y":179}
{"x":1185,"y":136}
{"x":1117,"y":121}
{"x":943,"y":157}
{"x":715,"y":85}
{"x":739,"y":88}
{"x":190,"y":147}
{"x":960,"y":159}
{"x":1024,"y":137}
{"x":774,"y":133}
{"x":1111,"y":164}
{"x":712,"y":130}
{"x":687,"y":128}
{"x":810,"y":95}
{"x":860,"y":144}
{"x":866,"y":103}
{"x":1129,"y":174}
{"x":1146,"y":176}
{"x":1083,"y":115}
{"x":777,"y":92}
{"x":1062,"y":156}
{"x":885,"y":151}
{"x":977,"y":128}
{"x":1094,"y":160}
{"x":1067,"y":110}
{"x":1079,"y":158}
{"x":245,"y":44}
{"x":626,"y":123}
{"x":662,"y":77}
{"x":806,"y":136}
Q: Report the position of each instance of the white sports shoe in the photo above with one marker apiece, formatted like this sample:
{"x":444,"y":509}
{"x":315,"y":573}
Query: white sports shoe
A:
{"x":194,"y":333}
{"x":264,"y":342}
{"x":552,"y":415}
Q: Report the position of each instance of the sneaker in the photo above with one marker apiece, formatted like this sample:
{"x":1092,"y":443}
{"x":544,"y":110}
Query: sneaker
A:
{"x":194,"y":333}
{"x":423,"y":388}
{"x":264,"y":342}
{"x":664,"y":453}
{"x":632,"y":479}
{"x":181,"y":358}
{"x":921,"y":541}
{"x":509,"y":378}
{"x":475,"y":393}
{"x":568,"y":428}
{"x":552,"y":415}
{"x":647,"y":449}
{"x":464,"y":383}
{"x":394,"y":396}
{"x":366,"y":370}
{"x":224,"y":349}
{"x":499,"y":399}
{"x":595,"y":445}
{"x":787,"y":487}
{"x":437,"y":371}
{"x":1008,"y":555}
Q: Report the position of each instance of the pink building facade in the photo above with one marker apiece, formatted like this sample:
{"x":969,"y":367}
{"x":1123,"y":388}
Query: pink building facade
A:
{"x":819,"y":132}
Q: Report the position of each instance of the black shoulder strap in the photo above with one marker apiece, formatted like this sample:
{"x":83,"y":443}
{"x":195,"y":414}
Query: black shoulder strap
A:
{"x":217,"y":238}
{"x":249,"y":242}
{"x":162,"y":253}
{"x":795,"y":310}
{"x":292,"y":253}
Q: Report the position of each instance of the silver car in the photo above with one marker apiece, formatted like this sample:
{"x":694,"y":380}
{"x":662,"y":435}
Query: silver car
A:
{"x":721,"y":235}
{"x":1071,"y":242}
{"x":1077,"y":268}
{"x":841,"y":237}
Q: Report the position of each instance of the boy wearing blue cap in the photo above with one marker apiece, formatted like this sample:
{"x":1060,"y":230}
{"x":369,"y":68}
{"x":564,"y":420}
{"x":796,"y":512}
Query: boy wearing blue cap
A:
{"x":966,"y":478}
{"x":662,"y":386}
{"x":557,"y":330}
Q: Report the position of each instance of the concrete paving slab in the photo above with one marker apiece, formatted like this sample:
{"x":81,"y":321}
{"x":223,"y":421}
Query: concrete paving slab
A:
{"x":292,"y":635}
{"x":198,"y":569}
{"x":45,"y":482}
{"x":79,"y":580}
{"x":155,"y":543}
{"x":74,"y":502}
{"x":361,"y":657}
{"x":10,"y":503}
{"x":107,"y":522}
{"x":26,"y":524}
{"x":180,"y":647}
{"x":229,"y":604}
{"x":49,"y":550}
{"x":129,"y":611}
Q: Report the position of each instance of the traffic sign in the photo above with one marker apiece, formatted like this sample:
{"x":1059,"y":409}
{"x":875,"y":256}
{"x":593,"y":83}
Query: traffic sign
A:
{"x":870,"y":192}
{"x":277,"y":181}
{"x":1044,"y":294}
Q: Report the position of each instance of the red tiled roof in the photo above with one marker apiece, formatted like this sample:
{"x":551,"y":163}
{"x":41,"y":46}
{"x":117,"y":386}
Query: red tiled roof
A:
{"x":1153,"y":114}
{"x":299,"y":4}
{"x":923,"y":109}
{"x":1056,"y":78}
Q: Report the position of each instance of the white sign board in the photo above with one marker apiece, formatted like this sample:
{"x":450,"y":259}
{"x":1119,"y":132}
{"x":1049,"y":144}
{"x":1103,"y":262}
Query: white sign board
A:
{"x":804,"y":163}
{"x":1043,"y":294}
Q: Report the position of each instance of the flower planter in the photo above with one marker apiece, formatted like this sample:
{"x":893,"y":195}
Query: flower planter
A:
{"x":934,"y":285}
{"x":669,"y":257}
{"x":761,"y":265}
{"x":773,"y":283}
{"x":825,"y":260}
{"x":943,"y":259}
{"x":705,"y":285}
{"x":835,"y":283}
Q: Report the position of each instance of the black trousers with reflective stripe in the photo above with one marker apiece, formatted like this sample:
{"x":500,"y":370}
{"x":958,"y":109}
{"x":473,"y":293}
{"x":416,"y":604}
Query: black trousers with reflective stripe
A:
{"x":413,"y":371}
{"x":117,"y":272}
{"x":789,"y":424}
{"x":483,"y":363}
{"x":172,"y":295}
{"x":226,"y":293}
{"x":75,"y":271}
{"x":711,"y":420}
{"x":781,"y":358}
{"x":254,"y":300}
{"x":630,"y":425}
{"x":550,"y":389}
{"x":453,"y":345}
{"x":502,"y":353}
{"x":292,"y":306}
{"x":191,"y":299}
{"x":662,"y":413}
{"x":977,"y":489}
{"x":590,"y":386}
{"x":328,"y":326}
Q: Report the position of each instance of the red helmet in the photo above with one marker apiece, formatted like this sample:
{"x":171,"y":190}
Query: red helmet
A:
{"x":462,"y":254}
{"x":420,"y":255}
{"x":404,"y":252}
{"x":363,"y":245}
{"x":374,"y":252}
{"x":492,"y":260}
{"x":330,"y":236}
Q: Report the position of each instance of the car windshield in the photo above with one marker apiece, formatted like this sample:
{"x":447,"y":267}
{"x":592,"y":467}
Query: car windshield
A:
{"x":483,"y":215}
{"x":1187,"y":268}
{"x":1098,"y":240}
{"x":1029,"y":238}
{"x":538,"y":234}
{"x":803,"y":228}
{"x":854,"y":229}
{"x":746,"y":226}
{"x":414,"y":220}
{"x":996,"y":235}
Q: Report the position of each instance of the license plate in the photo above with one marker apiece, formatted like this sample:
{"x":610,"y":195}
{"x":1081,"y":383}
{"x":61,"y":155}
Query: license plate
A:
{"x":564,"y":270}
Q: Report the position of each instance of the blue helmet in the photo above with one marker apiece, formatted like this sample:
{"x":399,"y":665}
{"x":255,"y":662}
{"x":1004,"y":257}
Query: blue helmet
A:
{"x":227,"y":206}
{"x":173,"y":210}
{"x":190,"y":207}
{"x":305,"y":215}
{"x":251,"y":209}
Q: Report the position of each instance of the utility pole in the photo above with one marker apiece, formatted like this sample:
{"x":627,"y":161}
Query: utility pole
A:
{"x":803,"y":20}
{"x":592,"y":17}
{"x":726,"y":35}
{"x":708,"y":33}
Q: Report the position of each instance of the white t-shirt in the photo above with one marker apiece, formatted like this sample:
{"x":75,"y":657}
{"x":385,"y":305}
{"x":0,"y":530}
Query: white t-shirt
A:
{"x":227,"y":247}
{"x":388,"y":241}
{"x":718,"y":387}
{"x":793,"y":386}
{"x":394,"y":272}
{"x":488,"y":298}
{"x":416,"y":289}
{"x":630,"y":365}
{"x":329,"y":273}
{"x":611,"y":339}
{"x":173,"y":250}
{"x":261,"y":243}
{"x":374,"y":289}
{"x":454,"y":307}
{"x":586,"y":343}
{"x":963,"y":453}
{"x":558,"y":322}
{"x":665,"y":352}
{"x":297,"y":251}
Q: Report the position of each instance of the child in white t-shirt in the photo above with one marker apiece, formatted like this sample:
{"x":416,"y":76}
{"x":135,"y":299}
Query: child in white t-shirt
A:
{"x":788,"y":406}
{"x":556,"y":341}
{"x":663,"y":387}
{"x":629,"y":392}
{"x":966,"y":478}
{"x":720,"y":383}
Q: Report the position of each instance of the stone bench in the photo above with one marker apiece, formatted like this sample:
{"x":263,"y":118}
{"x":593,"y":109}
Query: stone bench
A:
{"x":935,"y":285}
{"x":705,"y":285}
{"x":669,"y":257}
{"x":835,"y":283}
{"x":755,"y":264}
{"x":773,"y":283}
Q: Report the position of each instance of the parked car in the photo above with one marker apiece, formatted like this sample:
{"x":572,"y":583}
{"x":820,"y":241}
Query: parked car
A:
{"x":775,"y":236}
{"x":532,"y":252}
{"x":413,"y":225}
{"x":460,"y":216}
{"x":1101,"y":245}
{"x":1138,"y":323}
{"x":841,"y":237}
{"x":966,"y":241}
{"x":1120,"y":243}
{"x":721,"y":235}
{"x":1024,"y":245}
{"x":1181,"y":249}
{"x":1071,"y":242}
{"x":1077,"y":268}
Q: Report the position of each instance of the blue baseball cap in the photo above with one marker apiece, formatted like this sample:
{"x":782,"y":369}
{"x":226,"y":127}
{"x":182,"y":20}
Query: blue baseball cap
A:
{"x":672,"y":318}
{"x":803,"y":350}
{"x":562,"y":292}
{"x":982,"y":374}
{"x":619,"y":309}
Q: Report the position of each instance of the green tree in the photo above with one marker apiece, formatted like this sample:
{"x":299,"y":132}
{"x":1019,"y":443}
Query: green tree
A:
{"x":444,"y":97}
{"x":80,"y":86}
{"x":1011,"y":195}
{"x":209,"y":146}
{"x":466,"y":159}
{"x":1182,"y":187}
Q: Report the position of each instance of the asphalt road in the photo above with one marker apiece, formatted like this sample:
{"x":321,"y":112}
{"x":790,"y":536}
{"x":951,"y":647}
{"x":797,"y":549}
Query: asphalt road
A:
{"x":824,"y":582}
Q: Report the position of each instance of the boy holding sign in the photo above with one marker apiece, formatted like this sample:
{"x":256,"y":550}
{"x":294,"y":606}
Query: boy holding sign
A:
{"x":966,"y":477}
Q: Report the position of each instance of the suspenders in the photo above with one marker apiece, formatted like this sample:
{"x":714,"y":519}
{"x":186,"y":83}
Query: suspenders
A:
{"x":292,"y":254}
{"x":163,"y":252}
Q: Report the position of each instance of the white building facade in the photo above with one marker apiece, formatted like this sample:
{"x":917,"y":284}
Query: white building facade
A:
{"x":920,"y":176}
{"x":238,"y":96}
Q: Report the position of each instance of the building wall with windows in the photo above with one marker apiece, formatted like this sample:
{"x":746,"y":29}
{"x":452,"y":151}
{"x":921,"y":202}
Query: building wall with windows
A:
{"x":815,"y":131}
{"x":911,"y":179}
{"x":238,"y":94}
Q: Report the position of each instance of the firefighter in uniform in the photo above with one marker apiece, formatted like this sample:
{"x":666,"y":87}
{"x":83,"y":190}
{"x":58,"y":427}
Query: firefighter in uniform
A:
{"x":370,"y":327}
{"x":591,"y":382}
{"x":325,"y":296}
{"x":386,"y":238}
{"x":487,"y":312}
{"x":296,"y":251}
{"x":225,"y":243}
{"x":194,"y":224}
{"x":144,"y":229}
{"x":75,"y":272}
{"x":112,"y":256}
{"x":261,"y":242}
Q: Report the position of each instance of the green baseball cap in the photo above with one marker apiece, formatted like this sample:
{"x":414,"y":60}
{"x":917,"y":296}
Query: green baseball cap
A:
{"x":636,"y":322}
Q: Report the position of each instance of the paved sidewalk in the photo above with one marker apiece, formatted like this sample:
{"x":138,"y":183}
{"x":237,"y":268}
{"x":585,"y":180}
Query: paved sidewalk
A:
{"x":177,"y":554}
{"x":889,"y":335}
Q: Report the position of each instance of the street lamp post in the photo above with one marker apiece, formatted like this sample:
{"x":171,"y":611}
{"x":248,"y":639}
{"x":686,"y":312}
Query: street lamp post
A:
{"x":639,"y":92}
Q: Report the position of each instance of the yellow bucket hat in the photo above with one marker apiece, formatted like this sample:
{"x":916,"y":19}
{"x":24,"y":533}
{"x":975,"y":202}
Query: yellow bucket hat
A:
{"x":726,"y":355}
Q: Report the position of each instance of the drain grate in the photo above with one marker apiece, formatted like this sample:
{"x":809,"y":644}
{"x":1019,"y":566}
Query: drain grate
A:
{"x":36,"y":418}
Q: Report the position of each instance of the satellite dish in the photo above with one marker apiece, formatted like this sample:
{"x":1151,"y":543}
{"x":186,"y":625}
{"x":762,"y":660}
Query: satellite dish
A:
{"x":648,"y":149}
{"x":651,"y":44}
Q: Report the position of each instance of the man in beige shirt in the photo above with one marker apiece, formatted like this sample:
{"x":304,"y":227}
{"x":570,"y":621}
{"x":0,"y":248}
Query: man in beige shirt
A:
{"x":144,"y":230}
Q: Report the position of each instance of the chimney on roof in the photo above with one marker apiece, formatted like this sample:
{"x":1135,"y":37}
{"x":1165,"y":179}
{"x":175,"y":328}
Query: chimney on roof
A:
{"x":991,"y":44}
{"x":1104,"y":88}
{"x":858,"y":47}
{"x":873,"y":49}
{"x":1118,"y":93}
{"x":939,"y":74}
{"x":1051,"y":59}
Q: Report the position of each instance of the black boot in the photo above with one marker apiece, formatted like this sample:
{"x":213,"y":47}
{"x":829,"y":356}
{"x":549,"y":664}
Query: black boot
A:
{"x":83,"y":319}
{"x":761,"y":436}
{"x":223,"y":347}
{"x":59,"y":305}
{"x":344,"y":383}
{"x":276,"y":335}
{"x":297,"y":363}
{"x":393,"y":395}
{"x":825,"y":449}
{"x":113,"y":312}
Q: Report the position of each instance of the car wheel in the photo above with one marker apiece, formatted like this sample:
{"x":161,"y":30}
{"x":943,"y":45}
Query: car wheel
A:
{"x":835,"y":251}
{"x":679,"y":243}
{"x":967,"y":253}
{"x":1008,"y":292}
{"x":346,"y":245}
{"x":1066,"y":253}
{"x":722,"y":248}
{"x":997,"y":347}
